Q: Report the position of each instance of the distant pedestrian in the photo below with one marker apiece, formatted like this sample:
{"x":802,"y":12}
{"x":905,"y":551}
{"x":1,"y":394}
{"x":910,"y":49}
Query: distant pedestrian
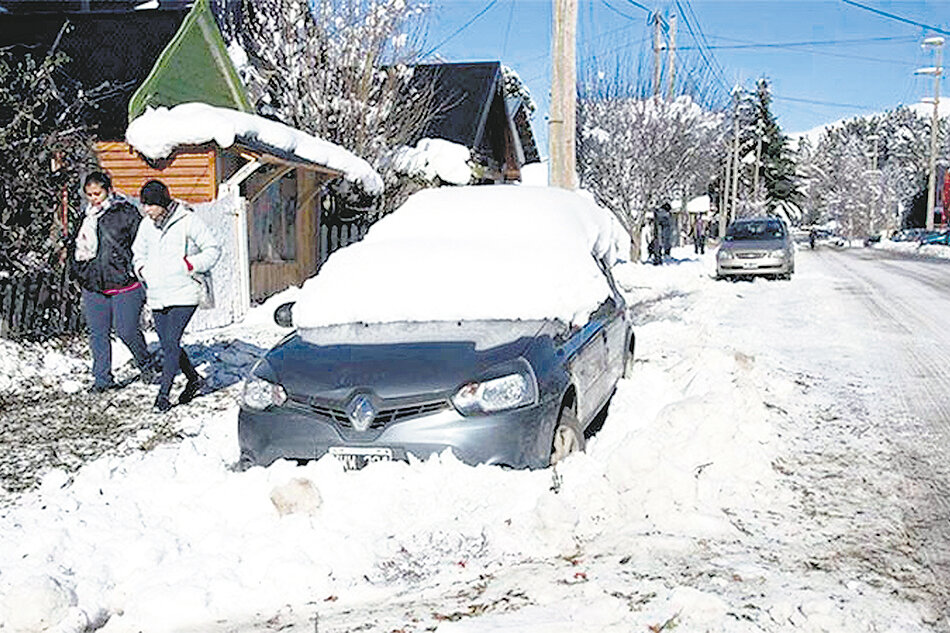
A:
{"x":168,"y":254}
{"x":663,"y":220}
{"x":112,"y":297}
{"x":699,"y":236}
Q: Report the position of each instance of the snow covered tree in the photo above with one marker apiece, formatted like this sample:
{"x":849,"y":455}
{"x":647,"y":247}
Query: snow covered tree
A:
{"x":337,"y":69}
{"x":767,"y":176}
{"x":863,"y":171}
{"x":634,"y":153}
{"x":44,"y":150}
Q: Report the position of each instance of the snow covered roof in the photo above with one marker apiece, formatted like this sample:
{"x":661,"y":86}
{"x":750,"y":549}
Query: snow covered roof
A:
{"x":158,"y":132}
{"x":478,"y":252}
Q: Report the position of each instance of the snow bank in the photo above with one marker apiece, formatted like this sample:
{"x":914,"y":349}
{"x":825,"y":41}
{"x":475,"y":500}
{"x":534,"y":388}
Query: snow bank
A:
{"x":158,"y":131}
{"x":678,"y":516}
{"x":480,"y":252}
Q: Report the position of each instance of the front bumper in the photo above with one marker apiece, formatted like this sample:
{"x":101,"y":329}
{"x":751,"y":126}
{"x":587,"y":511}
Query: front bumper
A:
{"x":737,"y":266}
{"x":520,"y":438}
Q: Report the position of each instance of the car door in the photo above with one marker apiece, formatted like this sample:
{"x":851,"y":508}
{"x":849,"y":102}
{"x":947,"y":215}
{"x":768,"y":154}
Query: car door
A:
{"x":587,"y":351}
{"x":615,"y":335}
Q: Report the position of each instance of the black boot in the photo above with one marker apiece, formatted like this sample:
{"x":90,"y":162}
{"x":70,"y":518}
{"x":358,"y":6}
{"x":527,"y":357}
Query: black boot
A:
{"x":162,"y":404}
{"x":192,"y":387}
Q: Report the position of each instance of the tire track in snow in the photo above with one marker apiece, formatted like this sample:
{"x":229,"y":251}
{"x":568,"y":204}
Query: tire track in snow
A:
{"x":905,"y":296}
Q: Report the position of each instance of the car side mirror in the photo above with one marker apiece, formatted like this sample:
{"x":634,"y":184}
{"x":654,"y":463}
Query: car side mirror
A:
{"x":284,"y":314}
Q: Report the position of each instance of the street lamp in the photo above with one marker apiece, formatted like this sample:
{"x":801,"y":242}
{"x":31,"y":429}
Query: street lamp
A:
{"x":936,"y":43}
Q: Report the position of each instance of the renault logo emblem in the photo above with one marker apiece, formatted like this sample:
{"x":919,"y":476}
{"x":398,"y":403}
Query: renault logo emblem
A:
{"x":361,"y":412}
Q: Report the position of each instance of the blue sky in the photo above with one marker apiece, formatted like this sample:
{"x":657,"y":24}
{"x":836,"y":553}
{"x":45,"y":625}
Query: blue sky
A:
{"x":827,"y":59}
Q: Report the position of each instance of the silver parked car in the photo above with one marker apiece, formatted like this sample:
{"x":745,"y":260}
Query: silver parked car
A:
{"x":756,"y":246}
{"x":493,"y":388}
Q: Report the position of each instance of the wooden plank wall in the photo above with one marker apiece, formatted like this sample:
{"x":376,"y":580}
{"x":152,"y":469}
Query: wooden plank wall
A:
{"x":269,"y":278}
{"x":190,"y":174}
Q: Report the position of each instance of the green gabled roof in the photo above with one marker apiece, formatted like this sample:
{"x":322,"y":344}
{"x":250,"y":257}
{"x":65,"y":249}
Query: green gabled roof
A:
{"x":193,"y":67}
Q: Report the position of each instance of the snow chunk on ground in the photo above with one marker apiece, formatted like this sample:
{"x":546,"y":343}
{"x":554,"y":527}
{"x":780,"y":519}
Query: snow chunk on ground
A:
{"x":159,"y":131}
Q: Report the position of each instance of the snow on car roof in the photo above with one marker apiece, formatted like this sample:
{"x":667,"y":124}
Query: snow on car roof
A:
{"x":158,"y":131}
{"x":463,"y":253}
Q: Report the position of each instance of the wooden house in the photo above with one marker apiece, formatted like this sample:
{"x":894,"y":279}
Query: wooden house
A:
{"x":471,"y":110}
{"x":164,"y":57}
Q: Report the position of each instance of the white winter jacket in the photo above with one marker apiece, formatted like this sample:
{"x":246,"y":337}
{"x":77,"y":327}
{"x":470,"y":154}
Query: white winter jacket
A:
{"x":160,"y":257}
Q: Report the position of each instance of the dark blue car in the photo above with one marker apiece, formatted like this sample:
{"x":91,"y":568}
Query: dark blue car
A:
{"x":518,"y":390}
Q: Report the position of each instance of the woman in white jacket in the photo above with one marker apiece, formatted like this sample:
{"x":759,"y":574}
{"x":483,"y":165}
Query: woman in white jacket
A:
{"x":167,"y":255}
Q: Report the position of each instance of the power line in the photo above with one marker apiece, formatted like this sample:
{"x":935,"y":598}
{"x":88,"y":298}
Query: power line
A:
{"x":867,"y":40}
{"x":618,"y":11}
{"x":639,"y":6}
{"x":461,"y":28}
{"x":822,"y":103}
{"x":714,"y":70}
{"x":894,"y":17}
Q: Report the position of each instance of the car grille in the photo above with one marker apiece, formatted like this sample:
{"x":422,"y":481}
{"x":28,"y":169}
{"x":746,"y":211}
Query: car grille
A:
{"x":383,"y":417}
{"x":750,"y":255}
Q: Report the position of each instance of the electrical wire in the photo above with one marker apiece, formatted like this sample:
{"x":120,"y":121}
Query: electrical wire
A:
{"x":821,"y":103}
{"x":511,"y":14}
{"x":868,"y":40}
{"x":894,"y":17}
{"x":618,"y":11}
{"x":461,"y":28}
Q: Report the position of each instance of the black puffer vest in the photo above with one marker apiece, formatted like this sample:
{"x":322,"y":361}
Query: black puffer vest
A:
{"x":111,"y":268}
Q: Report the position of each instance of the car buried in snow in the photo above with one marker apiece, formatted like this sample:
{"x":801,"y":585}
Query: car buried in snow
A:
{"x":756,"y":247}
{"x":483,"y":320}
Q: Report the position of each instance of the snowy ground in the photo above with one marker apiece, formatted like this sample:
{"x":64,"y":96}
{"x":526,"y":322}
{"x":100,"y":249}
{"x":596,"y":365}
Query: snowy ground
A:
{"x":739,"y":483}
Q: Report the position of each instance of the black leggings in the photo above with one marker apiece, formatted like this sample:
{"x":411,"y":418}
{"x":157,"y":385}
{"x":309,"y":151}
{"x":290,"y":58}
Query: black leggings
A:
{"x":170,"y":323}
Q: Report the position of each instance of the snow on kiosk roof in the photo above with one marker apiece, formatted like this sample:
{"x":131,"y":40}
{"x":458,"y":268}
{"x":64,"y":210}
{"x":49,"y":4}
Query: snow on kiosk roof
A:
{"x":468,"y":253}
{"x":159,"y":131}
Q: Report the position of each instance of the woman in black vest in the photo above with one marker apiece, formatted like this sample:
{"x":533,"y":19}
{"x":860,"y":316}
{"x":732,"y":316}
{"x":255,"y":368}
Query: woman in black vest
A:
{"x":112,"y":297}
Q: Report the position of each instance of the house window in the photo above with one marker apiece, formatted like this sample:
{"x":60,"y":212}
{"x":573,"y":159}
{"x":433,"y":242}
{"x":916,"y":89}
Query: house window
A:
{"x":274,"y":221}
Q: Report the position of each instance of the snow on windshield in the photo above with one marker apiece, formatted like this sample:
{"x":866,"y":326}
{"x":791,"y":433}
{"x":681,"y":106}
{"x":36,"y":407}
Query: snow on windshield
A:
{"x":461,"y":253}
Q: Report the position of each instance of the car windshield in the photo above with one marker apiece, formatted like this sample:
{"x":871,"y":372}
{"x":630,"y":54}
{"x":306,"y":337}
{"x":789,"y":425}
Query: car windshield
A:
{"x":769,"y":230}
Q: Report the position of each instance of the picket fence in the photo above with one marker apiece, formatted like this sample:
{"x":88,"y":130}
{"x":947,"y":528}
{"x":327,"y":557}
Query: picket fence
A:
{"x":40,"y":305}
{"x":335,"y":237}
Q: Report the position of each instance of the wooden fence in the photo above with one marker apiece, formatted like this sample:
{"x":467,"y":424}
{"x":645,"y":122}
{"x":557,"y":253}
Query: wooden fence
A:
{"x":335,"y":237}
{"x":44,"y":304}
{"x":39,"y":305}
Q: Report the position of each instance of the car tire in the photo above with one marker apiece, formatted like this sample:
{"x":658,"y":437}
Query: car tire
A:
{"x":568,"y":436}
{"x":628,"y":356}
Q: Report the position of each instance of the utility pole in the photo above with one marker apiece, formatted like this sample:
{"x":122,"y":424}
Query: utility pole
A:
{"x":936,"y":42}
{"x":657,"y":47}
{"x":758,"y":164}
{"x":735,"y":155}
{"x":724,"y":198}
{"x":563,"y":122}
{"x":672,"y":57}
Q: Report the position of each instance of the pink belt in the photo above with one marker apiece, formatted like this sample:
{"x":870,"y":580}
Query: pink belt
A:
{"x":118,"y":291}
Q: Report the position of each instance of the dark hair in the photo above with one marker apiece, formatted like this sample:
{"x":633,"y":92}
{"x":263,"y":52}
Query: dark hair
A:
{"x":666,"y":206}
{"x":155,"y":192}
{"x":101,"y":178}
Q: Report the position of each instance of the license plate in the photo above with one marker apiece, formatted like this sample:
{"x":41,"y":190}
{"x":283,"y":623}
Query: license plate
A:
{"x":355,"y":457}
{"x":750,"y":264}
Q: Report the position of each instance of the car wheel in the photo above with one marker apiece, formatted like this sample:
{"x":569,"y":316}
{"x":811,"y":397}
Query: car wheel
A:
{"x":628,"y":358}
{"x":568,"y":437}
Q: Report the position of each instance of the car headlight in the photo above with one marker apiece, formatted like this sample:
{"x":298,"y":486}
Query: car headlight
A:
{"x":509,"y":391}
{"x":260,"y":393}
{"x":725,"y":255}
